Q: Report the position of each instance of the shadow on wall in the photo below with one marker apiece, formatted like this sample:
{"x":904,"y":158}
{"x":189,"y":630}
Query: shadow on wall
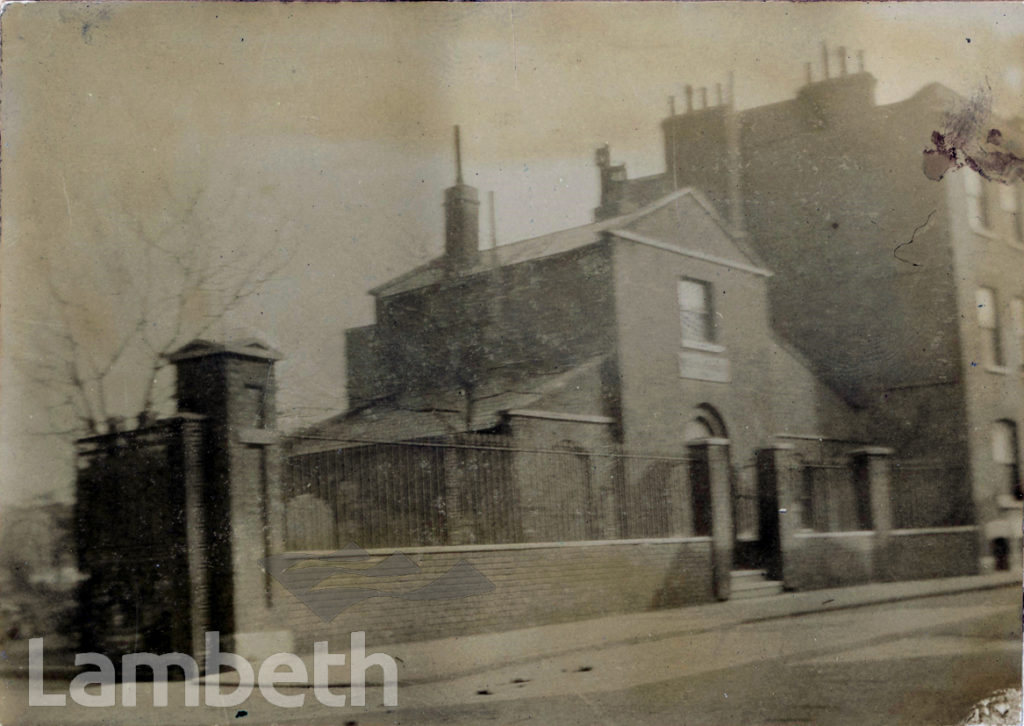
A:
{"x":688,"y":580}
{"x":819,"y":561}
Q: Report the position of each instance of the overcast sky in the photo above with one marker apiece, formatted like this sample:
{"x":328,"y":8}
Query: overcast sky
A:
{"x":325,"y":130}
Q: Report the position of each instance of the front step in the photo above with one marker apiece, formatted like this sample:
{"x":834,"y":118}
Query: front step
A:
{"x":747,"y":584}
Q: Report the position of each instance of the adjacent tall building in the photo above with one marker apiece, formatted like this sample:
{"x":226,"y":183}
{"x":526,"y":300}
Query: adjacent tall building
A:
{"x":904,"y":292}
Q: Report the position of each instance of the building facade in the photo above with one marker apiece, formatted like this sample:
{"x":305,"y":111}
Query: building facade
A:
{"x":901,"y":285}
{"x":793,"y":360}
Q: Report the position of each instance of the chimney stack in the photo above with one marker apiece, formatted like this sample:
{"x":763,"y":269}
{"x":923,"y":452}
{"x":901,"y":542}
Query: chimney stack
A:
{"x":494,"y":225}
{"x":689,"y":98}
{"x":462,"y":220}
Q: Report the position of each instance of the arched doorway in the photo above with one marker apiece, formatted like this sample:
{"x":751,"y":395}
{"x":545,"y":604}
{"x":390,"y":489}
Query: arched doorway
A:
{"x":704,"y":423}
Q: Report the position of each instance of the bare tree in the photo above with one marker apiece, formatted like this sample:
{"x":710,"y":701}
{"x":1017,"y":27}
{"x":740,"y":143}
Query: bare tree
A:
{"x":147,"y":285}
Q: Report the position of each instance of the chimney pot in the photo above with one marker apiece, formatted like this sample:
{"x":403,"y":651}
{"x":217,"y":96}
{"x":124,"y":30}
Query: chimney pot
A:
{"x":458,"y":157}
{"x":494,"y":225}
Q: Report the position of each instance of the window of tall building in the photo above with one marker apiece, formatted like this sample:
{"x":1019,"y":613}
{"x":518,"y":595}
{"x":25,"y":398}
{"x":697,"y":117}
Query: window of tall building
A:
{"x":988,"y":321}
{"x":695,"y":313}
{"x":1011,"y":200}
{"x":1005,"y":453}
{"x":977,"y":200}
{"x":1018,"y":214}
{"x":1017,"y":316}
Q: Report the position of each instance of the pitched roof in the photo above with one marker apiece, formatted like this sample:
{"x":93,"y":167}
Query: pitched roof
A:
{"x":546,"y":245}
{"x":434,"y":415}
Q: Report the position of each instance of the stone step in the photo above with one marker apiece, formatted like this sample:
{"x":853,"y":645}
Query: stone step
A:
{"x":753,"y":583}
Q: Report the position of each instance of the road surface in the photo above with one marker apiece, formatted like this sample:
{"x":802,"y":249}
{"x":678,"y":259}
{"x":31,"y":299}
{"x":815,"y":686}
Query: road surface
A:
{"x":922,"y":661}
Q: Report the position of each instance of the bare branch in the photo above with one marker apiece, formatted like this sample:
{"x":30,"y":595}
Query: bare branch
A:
{"x":82,"y":352}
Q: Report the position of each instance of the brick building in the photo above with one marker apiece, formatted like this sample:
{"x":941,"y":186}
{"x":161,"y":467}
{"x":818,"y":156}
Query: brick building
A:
{"x":903,"y":292}
{"x":734,"y":380}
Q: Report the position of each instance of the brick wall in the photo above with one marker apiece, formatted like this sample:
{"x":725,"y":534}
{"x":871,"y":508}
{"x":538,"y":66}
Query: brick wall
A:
{"x":836,"y":559}
{"x":534,"y":585}
{"x":453,"y":333}
{"x":915,"y":554}
{"x":833,"y":559}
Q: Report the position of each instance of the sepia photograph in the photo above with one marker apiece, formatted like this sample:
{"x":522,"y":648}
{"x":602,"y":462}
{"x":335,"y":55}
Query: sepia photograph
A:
{"x":511,"y":363}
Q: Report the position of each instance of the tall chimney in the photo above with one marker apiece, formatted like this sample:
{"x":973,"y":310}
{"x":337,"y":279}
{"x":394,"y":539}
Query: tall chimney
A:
{"x":494,"y":224}
{"x":842,"y":60}
{"x":824,"y":60}
{"x":462,"y":215}
{"x":689,"y":98}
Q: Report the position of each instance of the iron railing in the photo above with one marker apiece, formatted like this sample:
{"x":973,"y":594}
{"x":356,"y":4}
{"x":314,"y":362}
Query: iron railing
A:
{"x":485,"y":489}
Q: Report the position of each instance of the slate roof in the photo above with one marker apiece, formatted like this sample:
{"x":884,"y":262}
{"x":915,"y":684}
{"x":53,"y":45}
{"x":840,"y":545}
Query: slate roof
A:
{"x":546,"y":245}
{"x":433,"y":415}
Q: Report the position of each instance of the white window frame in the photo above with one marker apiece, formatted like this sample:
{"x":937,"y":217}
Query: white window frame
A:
{"x":1016,"y":237}
{"x":1017,"y":321}
{"x":987,"y":304}
{"x":706,"y":313}
{"x":979,"y":208}
{"x":1006,"y":453}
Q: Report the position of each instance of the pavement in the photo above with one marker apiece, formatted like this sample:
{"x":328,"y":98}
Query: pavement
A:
{"x":445,"y":659}
{"x":771,"y":660}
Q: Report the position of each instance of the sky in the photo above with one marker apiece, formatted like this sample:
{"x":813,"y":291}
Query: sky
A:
{"x":323,"y":134}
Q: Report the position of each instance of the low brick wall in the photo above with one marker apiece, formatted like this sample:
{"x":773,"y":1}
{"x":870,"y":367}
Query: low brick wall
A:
{"x":917,"y":554}
{"x":534,"y":584}
{"x":832,"y":559}
{"x":829,"y":559}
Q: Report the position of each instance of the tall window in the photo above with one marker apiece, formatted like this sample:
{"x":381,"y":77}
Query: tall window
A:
{"x":1017,"y":314}
{"x":977,"y":200}
{"x":695,"y":312}
{"x":1005,"y":448}
{"x":1018,"y":214}
{"x":988,"y":321}
{"x":1011,"y":199}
